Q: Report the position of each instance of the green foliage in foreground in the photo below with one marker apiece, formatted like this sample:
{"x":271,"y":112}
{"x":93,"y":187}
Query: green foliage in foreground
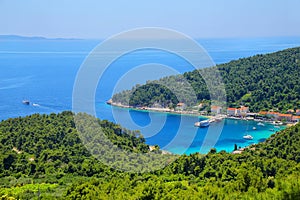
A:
{"x":63,"y":169}
{"x":262,"y":82}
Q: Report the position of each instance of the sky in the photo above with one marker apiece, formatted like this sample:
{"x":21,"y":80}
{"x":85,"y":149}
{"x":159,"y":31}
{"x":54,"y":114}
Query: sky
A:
{"x":195,"y":18}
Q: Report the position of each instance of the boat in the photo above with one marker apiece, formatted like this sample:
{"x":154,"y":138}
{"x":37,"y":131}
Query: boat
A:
{"x":277,"y":123}
{"x":254,"y":128}
{"x":258,"y":120}
{"x":260,"y":124}
{"x":204,"y":123}
{"x":35,"y":104}
{"x":248,"y":137}
{"x":26,"y":102}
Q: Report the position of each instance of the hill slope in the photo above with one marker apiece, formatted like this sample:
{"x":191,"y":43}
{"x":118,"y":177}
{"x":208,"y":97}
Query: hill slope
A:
{"x":268,"y":81}
{"x":42,"y":156}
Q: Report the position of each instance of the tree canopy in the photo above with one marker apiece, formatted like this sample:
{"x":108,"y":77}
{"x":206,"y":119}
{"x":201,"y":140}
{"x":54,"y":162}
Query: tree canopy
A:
{"x":42,"y":157}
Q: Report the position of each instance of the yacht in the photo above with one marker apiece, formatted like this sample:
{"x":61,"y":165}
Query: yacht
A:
{"x":204,"y":123}
{"x":260,"y":124}
{"x":248,"y":137}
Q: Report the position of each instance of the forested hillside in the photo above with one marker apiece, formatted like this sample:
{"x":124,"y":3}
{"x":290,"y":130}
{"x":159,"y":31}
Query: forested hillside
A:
{"x":42,"y":157}
{"x":262,"y":82}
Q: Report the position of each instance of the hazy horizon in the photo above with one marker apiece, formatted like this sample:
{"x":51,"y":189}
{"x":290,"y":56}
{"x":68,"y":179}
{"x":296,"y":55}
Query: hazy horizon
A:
{"x":197,"y":19}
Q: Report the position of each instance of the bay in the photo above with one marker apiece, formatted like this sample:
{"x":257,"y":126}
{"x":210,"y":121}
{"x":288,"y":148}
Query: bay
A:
{"x":44,"y":71}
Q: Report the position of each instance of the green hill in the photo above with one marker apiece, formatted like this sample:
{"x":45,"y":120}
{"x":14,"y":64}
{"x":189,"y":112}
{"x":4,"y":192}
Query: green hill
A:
{"x":262,"y":82}
{"x":42,"y":157}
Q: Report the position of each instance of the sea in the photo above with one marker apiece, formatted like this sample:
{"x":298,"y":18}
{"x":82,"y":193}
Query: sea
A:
{"x":44,"y":72}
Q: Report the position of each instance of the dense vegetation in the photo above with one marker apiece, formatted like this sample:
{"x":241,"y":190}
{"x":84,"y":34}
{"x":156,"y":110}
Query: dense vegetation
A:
{"x":262,"y":82}
{"x":43,"y":157}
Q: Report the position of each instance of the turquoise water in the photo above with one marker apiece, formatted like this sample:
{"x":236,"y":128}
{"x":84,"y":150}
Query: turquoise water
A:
{"x":44,"y":72}
{"x":191,"y":139}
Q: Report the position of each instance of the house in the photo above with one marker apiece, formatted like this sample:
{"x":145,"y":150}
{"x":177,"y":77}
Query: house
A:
{"x":231,"y":111}
{"x":290,"y":111}
{"x":242,"y":111}
{"x":274,"y":115}
{"x":296,"y":119}
{"x":287,"y":117}
{"x":216,"y":109}
{"x":181,"y":106}
{"x":298,"y":112}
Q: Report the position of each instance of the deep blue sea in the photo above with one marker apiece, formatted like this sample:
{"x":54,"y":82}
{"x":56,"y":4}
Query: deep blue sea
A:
{"x":43,"y":71}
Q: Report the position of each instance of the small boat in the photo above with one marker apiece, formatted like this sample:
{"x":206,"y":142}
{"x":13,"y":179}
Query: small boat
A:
{"x":35,"y":104}
{"x":26,"y":102}
{"x":260,"y":124}
{"x":254,"y":128}
{"x":248,"y":137}
{"x":204,"y":123}
{"x":258,"y":120}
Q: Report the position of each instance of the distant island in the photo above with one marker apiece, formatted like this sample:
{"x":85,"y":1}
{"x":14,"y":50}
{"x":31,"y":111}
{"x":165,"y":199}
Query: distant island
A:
{"x":18,"y":37}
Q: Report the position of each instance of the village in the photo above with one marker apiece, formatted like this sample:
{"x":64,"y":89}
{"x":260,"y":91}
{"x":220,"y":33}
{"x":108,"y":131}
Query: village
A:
{"x":243,"y":112}
{"x":292,"y":116}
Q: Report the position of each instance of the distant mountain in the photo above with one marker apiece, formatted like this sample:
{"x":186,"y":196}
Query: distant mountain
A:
{"x":18,"y":37}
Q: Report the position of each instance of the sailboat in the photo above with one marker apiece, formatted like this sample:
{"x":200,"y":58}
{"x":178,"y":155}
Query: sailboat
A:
{"x":248,"y":136}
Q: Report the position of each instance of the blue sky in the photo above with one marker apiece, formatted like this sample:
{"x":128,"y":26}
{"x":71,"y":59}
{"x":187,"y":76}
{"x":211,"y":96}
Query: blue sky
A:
{"x":196,"y":18}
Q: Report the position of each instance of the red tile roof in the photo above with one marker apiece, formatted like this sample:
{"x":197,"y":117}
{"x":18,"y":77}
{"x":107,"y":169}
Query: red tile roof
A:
{"x":215,"y":107}
{"x":273,"y":113}
{"x":231,"y":109}
{"x":262,"y":112}
{"x":285,"y":115}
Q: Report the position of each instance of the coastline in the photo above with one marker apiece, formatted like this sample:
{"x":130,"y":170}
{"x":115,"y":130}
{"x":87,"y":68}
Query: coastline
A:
{"x":188,"y":113}
{"x":159,"y":110}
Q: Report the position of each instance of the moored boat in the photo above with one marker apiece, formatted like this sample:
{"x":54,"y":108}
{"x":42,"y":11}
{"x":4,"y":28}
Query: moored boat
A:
{"x":204,"y":123}
{"x":248,"y":137}
{"x":260,"y":124}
